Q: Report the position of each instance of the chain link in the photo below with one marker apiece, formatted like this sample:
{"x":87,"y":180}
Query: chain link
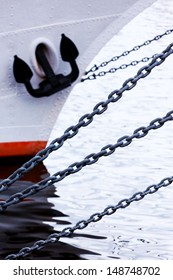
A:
{"x":96,"y":217}
{"x":88,"y":160}
{"x":115,"y":69}
{"x":85,"y":120}
{"x":125,"y":53}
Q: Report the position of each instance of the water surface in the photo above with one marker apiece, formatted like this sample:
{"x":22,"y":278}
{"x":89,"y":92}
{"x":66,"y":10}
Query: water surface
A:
{"x":144,"y":229}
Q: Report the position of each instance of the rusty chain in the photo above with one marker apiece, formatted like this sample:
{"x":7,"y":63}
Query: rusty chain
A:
{"x":86,"y":119}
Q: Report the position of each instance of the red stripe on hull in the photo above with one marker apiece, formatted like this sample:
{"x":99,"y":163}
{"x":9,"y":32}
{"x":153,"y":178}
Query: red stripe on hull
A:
{"x":21,"y":148}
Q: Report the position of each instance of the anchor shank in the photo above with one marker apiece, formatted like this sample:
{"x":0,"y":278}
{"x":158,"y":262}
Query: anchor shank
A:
{"x":43,"y":61}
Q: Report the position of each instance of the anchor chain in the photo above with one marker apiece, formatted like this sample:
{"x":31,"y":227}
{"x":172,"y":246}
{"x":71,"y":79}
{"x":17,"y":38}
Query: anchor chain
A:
{"x":115,"y":69}
{"x":96,"y":217}
{"x":95,"y":67}
{"x":88,"y":160}
{"x":86,"y":119}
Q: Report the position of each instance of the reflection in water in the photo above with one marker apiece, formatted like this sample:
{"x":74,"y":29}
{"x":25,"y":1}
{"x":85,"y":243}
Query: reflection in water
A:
{"x":27,"y":222}
{"x":142,"y":231}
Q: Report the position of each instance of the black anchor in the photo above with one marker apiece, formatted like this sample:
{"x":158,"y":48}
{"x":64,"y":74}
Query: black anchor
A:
{"x":52,"y":82}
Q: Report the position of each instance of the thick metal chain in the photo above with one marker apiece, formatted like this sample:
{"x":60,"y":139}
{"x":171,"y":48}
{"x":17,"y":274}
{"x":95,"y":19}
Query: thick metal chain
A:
{"x":86,"y":119}
{"x":125,"y":53}
{"x":96,"y":217}
{"x":115,"y":69}
{"x":88,"y":160}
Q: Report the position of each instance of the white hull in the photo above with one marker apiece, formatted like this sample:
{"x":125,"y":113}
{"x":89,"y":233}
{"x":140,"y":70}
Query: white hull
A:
{"x":26,"y":122}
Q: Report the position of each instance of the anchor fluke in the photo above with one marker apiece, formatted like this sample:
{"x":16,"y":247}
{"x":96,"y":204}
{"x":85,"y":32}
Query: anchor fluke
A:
{"x":22,"y":72}
{"x":68,"y":49}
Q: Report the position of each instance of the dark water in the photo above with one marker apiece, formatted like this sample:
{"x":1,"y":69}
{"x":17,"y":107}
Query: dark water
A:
{"x":23,"y":224}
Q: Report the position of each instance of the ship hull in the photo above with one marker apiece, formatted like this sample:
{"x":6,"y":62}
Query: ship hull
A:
{"x":25,"y":121}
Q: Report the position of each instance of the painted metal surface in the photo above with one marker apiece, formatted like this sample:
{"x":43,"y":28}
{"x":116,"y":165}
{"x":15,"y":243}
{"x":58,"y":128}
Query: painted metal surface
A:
{"x":90,"y":24}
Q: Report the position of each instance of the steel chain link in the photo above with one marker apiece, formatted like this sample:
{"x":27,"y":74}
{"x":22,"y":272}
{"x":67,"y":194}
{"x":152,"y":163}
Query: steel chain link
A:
{"x":115,"y":69}
{"x":88,"y":160}
{"x":85,"y":120}
{"x":125,"y":53}
{"x":96,"y":217}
